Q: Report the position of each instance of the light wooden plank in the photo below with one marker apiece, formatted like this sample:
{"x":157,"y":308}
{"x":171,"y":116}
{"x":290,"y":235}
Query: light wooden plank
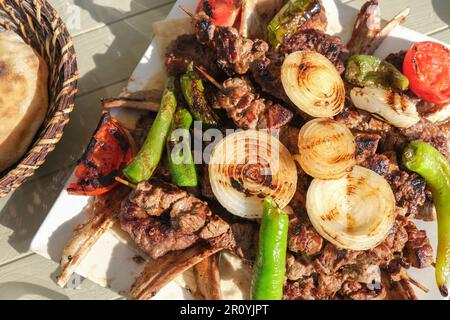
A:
{"x":110,"y":54}
{"x":22,"y":212}
{"x":82,"y":16}
{"x":426,"y":16}
{"x":34,"y":278}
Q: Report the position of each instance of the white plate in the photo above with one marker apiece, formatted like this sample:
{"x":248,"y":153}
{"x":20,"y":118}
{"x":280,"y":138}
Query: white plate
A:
{"x":110,"y":262}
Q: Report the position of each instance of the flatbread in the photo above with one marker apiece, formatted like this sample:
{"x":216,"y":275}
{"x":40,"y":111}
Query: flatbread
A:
{"x":256,"y":16}
{"x":23,"y":97}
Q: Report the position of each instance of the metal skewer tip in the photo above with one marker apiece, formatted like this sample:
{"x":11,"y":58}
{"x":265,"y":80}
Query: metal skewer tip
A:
{"x":210,"y":78}
{"x":125,"y":182}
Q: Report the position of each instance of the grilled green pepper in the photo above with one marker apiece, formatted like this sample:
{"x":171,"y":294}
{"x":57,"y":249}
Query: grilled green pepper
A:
{"x":181,"y":165}
{"x":425,"y":160}
{"x":290,"y":18}
{"x":270,"y":265}
{"x":194,"y":94}
{"x":146,"y":161}
{"x":369,"y":71}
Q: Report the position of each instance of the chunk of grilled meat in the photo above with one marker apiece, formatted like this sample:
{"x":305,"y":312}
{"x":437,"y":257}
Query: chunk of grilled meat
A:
{"x":318,"y":41}
{"x":331,"y":287}
{"x":247,"y":110}
{"x":267,"y":74}
{"x":418,"y":250}
{"x":161,"y":218}
{"x":266,"y":71}
{"x":318,"y":21}
{"x":234,"y":54}
{"x":430,"y":133}
{"x":297,"y":268}
{"x":186,"y":49}
{"x":394,"y":139}
{"x":241,"y":239}
{"x":303,"y":238}
{"x":373,"y":135}
{"x":366,"y":146}
{"x":332,"y":258}
{"x":335,"y":273}
{"x":358,"y":291}
{"x":298,"y":201}
{"x":366,"y":28}
{"x":362,"y":121}
{"x":409,"y":189}
{"x":304,"y":289}
{"x":397,"y":59}
{"x":386,"y":251}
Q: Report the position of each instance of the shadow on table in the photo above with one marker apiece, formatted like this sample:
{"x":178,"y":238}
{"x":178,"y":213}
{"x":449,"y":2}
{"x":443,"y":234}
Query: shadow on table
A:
{"x":24,"y":210}
{"x":442,"y":9}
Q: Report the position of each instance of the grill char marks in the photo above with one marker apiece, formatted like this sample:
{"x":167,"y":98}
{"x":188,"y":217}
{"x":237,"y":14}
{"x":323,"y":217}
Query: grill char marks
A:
{"x":161,"y":218}
{"x":233,"y":53}
{"x":366,"y":146}
{"x":266,"y":71}
{"x":314,"y":40}
{"x":186,"y":49}
{"x":334,"y":273}
{"x":247,"y":110}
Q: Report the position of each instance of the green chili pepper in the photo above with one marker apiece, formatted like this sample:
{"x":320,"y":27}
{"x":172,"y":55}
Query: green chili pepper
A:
{"x":194,"y":94}
{"x":290,"y":18}
{"x":369,"y":71}
{"x":181,"y":164}
{"x":425,"y":160}
{"x":146,"y":161}
{"x":270,"y":265}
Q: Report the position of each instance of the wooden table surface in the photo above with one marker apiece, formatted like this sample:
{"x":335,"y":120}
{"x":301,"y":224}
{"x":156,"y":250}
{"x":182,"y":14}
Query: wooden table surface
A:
{"x":110,"y":37}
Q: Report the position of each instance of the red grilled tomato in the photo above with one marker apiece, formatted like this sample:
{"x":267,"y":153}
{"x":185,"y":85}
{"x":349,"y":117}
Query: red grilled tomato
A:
{"x":427,"y":66}
{"x":222,"y":12}
{"x":108,"y":153}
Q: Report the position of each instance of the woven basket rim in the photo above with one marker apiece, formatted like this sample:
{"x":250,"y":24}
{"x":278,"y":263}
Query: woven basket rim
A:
{"x":35,"y":21}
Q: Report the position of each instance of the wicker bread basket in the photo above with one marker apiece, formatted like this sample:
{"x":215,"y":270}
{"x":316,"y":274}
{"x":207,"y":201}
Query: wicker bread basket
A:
{"x":42,"y":28}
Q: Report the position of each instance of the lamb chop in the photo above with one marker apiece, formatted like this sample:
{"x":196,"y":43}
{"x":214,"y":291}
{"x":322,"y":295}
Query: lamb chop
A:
{"x":368,"y":33}
{"x":103,"y":213}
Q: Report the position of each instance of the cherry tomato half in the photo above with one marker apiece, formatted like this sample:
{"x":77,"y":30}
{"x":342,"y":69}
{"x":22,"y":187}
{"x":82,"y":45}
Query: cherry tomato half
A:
{"x":427,"y":66}
{"x":107,"y":154}
{"x":222,"y":12}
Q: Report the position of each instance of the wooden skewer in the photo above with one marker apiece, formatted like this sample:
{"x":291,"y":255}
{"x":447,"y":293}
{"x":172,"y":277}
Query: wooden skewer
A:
{"x":125,"y":182}
{"x":189,"y":13}
{"x":210,"y":78}
{"x":416,"y":283}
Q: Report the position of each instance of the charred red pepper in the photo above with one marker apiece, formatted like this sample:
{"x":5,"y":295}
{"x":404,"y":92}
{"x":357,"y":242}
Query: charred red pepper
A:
{"x":222,"y":12}
{"x":108,"y":152}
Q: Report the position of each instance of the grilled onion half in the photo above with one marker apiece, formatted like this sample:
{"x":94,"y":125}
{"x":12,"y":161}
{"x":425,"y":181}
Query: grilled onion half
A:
{"x":313,"y":84}
{"x":396,"y":109}
{"x":327,"y":149}
{"x":355,"y":212}
{"x":247,"y":166}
